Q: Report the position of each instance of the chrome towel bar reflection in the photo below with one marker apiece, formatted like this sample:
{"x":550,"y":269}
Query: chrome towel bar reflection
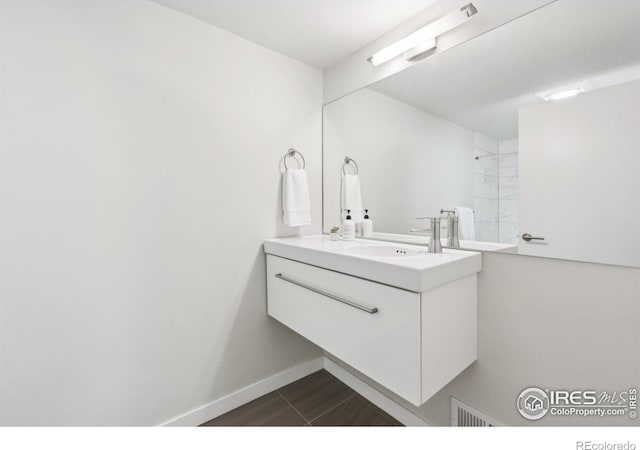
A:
{"x":326,"y":294}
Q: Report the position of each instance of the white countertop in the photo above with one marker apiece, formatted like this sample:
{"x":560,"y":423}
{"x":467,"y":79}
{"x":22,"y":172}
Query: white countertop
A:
{"x":421,"y":239}
{"x":417,"y":273}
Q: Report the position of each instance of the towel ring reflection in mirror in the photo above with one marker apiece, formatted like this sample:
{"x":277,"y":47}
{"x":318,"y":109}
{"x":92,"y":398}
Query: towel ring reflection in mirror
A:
{"x":293,"y":152}
{"x":348,"y":161}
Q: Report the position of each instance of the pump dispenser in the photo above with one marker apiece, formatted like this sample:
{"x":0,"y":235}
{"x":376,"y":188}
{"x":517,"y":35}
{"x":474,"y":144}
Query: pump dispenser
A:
{"x":367,"y":225}
{"x":348,"y":228}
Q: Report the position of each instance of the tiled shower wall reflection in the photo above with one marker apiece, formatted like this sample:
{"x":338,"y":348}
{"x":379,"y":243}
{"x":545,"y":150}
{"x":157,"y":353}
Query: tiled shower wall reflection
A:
{"x":486,"y":205}
{"x":508,"y":191}
{"x":496,"y":189}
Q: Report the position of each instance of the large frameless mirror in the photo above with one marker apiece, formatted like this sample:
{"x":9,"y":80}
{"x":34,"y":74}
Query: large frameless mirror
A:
{"x":529,"y":134}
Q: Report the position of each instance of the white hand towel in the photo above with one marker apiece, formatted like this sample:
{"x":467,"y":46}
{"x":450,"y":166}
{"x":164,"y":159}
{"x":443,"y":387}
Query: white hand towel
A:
{"x":466,"y":223}
{"x":352,"y":197}
{"x":296,"y":206}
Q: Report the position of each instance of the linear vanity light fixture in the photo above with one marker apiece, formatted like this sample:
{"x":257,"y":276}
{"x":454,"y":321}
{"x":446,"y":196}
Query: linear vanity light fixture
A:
{"x":566,"y":91}
{"x":424,"y":39}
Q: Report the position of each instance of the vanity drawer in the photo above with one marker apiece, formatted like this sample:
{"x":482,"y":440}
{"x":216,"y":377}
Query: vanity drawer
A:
{"x":370,"y":326}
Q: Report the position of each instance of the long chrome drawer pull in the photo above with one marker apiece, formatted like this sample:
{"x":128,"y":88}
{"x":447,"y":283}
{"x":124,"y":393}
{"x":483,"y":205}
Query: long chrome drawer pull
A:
{"x":326,"y":294}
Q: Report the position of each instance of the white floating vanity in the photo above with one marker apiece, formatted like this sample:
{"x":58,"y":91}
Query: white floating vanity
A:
{"x":404,"y":317}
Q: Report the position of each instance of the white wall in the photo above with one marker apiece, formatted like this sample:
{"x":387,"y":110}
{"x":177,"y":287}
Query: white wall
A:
{"x":579,"y":182}
{"x":548,"y":323}
{"x":411,"y":163}
{"x":139,"y":153}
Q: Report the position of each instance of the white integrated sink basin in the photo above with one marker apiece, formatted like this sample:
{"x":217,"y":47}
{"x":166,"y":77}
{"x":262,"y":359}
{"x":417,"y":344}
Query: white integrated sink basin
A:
{"x":417,"y":270}
{"x":383,"y":251}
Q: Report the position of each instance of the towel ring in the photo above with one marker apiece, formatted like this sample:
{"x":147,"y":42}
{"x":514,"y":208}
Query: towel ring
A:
{"x":347,"y":161}
{"x":292,"y":152}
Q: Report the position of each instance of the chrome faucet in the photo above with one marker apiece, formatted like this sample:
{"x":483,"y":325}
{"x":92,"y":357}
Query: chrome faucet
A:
{"x":435,"y":246}
{"x":453,"y":240}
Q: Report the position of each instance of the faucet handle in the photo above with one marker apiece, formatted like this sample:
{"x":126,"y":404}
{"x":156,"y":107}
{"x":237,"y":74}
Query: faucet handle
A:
{"x":436,"y":219}
{"x":434,"y":223}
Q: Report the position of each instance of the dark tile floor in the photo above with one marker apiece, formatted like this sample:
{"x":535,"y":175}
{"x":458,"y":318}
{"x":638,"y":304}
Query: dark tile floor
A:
{"x":317,"y":400}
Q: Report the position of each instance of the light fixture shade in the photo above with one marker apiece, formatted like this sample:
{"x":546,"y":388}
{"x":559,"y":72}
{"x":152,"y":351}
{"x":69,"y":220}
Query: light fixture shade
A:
{"x":421,"y":51}
{"x":424,"y":38}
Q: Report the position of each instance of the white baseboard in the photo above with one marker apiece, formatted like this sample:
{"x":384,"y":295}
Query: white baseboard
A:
{"x":270,"y":384}
{"x":245,"y":395}
{"x":382,"y":401}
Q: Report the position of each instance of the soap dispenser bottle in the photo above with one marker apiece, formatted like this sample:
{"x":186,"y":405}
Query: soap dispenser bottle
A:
{"x":348,"y":228}
{"x":367,"y":225}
